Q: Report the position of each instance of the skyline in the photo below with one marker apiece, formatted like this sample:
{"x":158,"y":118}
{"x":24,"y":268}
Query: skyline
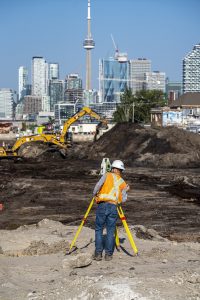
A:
{"x":162,"y":32}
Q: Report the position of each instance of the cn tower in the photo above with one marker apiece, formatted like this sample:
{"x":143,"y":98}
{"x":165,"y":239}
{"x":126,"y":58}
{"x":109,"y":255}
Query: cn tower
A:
{"x":88,"y":45}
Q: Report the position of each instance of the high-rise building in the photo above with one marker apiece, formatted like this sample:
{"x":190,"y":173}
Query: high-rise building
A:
{"x":191,"y":71}
{"x":56,"y":92}
{"x":88,"y":45}
{"x":138,"y":68}
{"x":73,"y":81}
{"x":113,"y":78}
{"x":73,"y":89}
{"x":53,"y":71}
{"x":39,"y":76}
{"x":32,"y":105}
{"x":154,"y":81}
{"x":22,"y":82}
{"x":6,"y":103}
{"x":63,"y":111}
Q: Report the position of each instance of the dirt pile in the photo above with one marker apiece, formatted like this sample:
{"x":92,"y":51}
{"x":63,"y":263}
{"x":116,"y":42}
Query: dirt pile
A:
{"x":160,"y":147}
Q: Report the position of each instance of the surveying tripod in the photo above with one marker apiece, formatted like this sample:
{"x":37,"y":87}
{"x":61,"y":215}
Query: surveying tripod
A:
{"x":122,"y":218}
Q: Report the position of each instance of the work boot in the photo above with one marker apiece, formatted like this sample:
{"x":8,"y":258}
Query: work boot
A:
{"x":97,"y":256}
{"x":108,"y":257}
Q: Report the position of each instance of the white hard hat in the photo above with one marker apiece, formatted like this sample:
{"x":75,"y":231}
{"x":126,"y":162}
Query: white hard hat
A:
{"x":118,"y":164}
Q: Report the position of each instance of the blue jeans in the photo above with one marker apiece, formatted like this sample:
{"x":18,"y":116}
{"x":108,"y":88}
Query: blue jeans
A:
{"x":106,"y":216}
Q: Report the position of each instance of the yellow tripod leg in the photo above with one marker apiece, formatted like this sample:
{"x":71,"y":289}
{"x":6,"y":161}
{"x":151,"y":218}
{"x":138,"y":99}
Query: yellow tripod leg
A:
{"x":117,"y":243}
{"x":123,"y":219}
{"x":82,"y":223}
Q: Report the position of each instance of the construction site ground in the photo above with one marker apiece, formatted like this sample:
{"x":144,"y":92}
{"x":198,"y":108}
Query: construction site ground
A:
{"x":44,"y":200}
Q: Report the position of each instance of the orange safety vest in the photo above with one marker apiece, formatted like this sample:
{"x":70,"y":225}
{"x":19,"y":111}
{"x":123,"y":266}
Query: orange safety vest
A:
{"x":111,"y":190}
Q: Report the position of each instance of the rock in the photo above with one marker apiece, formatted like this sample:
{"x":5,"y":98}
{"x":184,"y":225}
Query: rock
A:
{"x":195,"y":278}
{"x":78,"y":261}
{"x":93,"y":172}
{"x":147,"y":234}
{"x":164,"y":261}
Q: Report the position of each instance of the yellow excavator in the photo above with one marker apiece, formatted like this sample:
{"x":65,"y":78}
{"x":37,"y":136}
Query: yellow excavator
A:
{"x":53,"y":139}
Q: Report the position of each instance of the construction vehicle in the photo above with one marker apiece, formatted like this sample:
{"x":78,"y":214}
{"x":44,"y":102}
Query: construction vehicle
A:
{"x":60,"y":140}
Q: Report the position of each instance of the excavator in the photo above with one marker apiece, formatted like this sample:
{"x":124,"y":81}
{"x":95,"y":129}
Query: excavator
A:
{"x":59,"y":140}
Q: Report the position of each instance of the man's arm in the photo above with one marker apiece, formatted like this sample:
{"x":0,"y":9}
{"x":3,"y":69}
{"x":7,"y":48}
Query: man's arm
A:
{"x":99,"y":184}
{"x":124,"y":193}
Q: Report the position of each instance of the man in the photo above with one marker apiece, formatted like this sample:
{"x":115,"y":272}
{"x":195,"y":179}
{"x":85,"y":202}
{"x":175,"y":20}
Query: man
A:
{"x":110,"y":191}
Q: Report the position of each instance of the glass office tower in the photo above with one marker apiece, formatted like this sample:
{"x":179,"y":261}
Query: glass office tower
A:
{"x":113,"y":78}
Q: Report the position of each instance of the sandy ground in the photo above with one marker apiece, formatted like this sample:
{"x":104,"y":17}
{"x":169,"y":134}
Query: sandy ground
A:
{"x":34,"y":266}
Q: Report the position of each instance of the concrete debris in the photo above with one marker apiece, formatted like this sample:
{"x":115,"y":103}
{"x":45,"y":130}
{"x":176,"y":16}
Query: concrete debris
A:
{"x":147,"y":234}
{"x":79,"y":261}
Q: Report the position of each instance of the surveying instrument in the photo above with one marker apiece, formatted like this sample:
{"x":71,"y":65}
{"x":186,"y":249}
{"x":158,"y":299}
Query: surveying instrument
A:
{"x":117,"y":242}
{"x":106,"y":167}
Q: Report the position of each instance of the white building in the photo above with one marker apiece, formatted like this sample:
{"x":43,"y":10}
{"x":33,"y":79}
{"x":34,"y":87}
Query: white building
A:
{"x":6,"y":103}
{"x":138,"y":68}
{"x":53,"y":71}
{"x":45,"y":103}
{"x":39,"y":76}
{"x":191,"y":71}
{"x":155,"y":81}
{"x":22,"y":81}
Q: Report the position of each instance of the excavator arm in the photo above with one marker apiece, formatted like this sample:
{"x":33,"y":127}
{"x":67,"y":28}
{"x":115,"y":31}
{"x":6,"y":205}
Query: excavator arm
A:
{"x":85,"y":110}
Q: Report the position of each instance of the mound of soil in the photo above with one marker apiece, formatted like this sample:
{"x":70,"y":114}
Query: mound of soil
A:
{"x":160,"y":147}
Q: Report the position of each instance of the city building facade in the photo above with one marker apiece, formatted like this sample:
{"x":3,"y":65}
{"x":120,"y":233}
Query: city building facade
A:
{"x":22,"y":82}
{"x":105,"y":109}
{"x":32,"y":105}
{"x":173,"y":90}
{"x":73,"y":89}
{"x":138,"y":68}
{"x":191,"y":71}
{"x":39,"y":76}
{"x":155,"y":81}
{"x":53,"y":71}
{"x":113,"y":79}
{"x":63,"y":111}
{"x":184,"y":112}
{"x":56,"y":92}
{"x":6,"y":103}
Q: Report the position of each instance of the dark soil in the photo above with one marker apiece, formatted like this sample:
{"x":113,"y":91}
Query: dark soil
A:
{"x":61,"y":189}
{"x":163,"y":173}
{"x":160,"y":147}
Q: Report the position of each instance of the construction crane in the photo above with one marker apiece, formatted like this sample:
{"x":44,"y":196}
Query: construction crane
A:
{"x":121,"y":57}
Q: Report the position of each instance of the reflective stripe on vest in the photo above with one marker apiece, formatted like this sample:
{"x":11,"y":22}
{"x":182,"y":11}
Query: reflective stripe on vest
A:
{"x":113,"y":195}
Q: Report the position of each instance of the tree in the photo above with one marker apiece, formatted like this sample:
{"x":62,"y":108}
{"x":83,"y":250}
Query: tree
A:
{"x":137,"y":108}
{"x":124,"y":111}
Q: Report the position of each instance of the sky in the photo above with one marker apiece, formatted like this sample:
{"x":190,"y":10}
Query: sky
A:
{"x":163,"y":31}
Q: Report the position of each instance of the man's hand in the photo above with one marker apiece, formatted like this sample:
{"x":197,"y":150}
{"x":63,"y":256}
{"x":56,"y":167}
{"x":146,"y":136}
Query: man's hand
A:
{"x":127,"y":188}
